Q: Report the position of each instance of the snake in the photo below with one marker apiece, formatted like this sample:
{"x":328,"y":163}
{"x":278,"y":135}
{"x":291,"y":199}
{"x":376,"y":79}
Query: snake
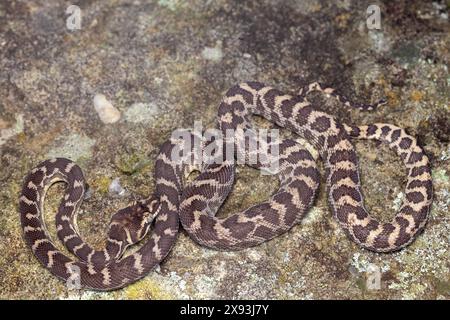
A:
{"x":109,"y":268}
{"x":106,"y":269}
{"x":298,"y":178}
{"x":195,"y":204}
{"x":332,"y":139}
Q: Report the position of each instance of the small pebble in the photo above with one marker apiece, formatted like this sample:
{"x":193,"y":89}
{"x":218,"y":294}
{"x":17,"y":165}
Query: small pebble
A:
{"x":106,"y":111}
{"x":115,"y":188}
{"x":87,"y":194}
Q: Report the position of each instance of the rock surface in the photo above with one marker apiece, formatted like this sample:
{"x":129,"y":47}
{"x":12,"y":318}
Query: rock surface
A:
{"x":174,"y":60}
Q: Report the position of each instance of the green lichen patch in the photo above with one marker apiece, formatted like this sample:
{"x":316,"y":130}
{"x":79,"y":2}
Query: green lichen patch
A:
{"x":74,"y":146}
{"x":131,"y":163}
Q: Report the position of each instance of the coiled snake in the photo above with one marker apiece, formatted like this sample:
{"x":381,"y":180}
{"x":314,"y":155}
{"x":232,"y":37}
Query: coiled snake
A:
{"x":104,"y":269}
{"x":197,"y":202}
{"x":342,"y":176}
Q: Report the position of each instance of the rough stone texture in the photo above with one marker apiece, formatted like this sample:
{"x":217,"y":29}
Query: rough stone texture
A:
{"x":175,"y":59}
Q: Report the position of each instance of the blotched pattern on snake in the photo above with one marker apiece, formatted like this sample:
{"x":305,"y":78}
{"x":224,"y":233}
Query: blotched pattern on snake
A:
{"x":332,"y":140}
{"x":200,"y":200}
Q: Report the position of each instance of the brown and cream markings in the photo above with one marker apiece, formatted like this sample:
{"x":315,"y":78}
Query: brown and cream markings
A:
{"x":298,"y":183}
{"x":105,"y":269}
{"x":332,"y":140}
{"x":197,"y":202}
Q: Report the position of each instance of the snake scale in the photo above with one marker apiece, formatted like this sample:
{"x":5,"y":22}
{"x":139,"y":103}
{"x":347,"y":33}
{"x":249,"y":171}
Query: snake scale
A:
{"x":196,"y":203}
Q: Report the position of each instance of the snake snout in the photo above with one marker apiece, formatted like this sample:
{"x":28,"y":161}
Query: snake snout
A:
{"x":129,"y":225}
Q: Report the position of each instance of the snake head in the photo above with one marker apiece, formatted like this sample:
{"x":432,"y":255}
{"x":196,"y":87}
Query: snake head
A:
{"x":129,"y":225}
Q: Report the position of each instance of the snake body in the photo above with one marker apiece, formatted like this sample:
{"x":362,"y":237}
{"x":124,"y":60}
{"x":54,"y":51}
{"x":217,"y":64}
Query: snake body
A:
{"x":196,"y":203}
{"x":298,"y":182}
{"x":103,"y":269}
{"x":332,"y":140}
{"x":106,"y":269}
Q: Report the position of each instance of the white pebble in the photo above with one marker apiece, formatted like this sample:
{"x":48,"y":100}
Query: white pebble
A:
{"x":87,"y":194}
{"x":116,"y":188}
{"x":106,"y":111}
